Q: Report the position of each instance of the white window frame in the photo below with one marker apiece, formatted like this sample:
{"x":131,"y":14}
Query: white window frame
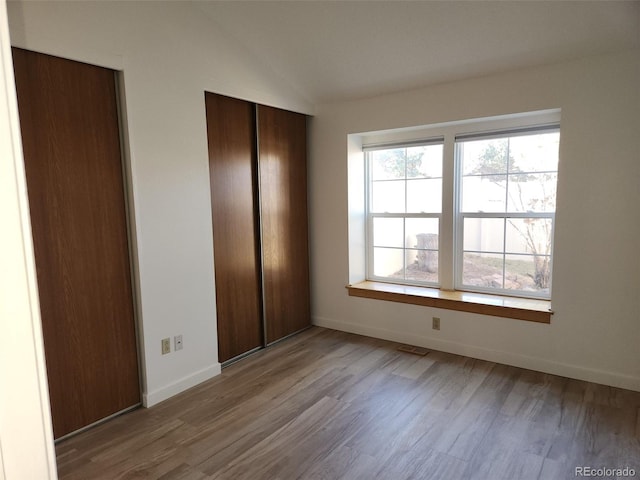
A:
{"x":460,"y":215}
{"x":450,"y":229}
{"x":370,"y":216}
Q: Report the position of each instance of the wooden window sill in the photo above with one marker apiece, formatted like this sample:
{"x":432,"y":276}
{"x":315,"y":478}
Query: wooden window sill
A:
{"x":532,"y":310}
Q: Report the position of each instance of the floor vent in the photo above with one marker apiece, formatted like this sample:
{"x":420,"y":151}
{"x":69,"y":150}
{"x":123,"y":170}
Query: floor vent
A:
{"x":415,"y":350}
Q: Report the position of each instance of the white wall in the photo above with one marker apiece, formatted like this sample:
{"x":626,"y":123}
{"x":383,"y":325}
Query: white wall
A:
{"x":595,"y":332}
{"x":26,"y":436}
{"x":169,"y":55}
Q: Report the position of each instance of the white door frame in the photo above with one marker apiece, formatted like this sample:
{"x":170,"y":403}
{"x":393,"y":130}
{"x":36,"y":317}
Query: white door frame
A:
{"x":26,"y":436}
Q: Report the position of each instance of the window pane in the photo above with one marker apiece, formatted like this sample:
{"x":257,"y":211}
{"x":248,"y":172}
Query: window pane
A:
{"x":484,"y":194}
{"x":421,"y":233}
{"x":424,"y":162}
{"x":422,"y":265}
{"x":528,"y":273}
{"x":387,"y":164}
{"x":387,"y":232}
{"x":484,"y":234}
{"x":424,"y":196}
{"x":388,"y":196}
{"x":535,"y":153}
{"x":532,"y":192}
{"x":387,"y":262}
{"x":529,"y":235}
{"x":482,"y":270}
{"x":484,"y":157}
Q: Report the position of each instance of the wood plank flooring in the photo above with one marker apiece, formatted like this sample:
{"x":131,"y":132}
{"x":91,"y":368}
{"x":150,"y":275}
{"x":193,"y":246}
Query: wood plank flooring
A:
{"x":331,"y":405}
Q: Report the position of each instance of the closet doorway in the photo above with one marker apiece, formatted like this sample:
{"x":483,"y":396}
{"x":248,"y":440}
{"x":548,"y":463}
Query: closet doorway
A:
{"x":258,"y":175}
{"x":73,"y":163}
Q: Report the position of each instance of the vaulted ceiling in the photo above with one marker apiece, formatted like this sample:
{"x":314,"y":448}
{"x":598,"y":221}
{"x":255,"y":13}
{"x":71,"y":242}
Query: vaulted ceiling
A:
{"x":339,"y":50}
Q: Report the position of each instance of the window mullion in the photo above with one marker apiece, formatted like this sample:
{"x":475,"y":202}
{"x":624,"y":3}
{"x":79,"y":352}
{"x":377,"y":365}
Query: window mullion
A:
{"x":506,"y":186}
{"x":504,"y":253}
{"x":404,"y":220}
{"x":369,"y":217}
{"x":504,"y":222}
{"x":448,"y":216}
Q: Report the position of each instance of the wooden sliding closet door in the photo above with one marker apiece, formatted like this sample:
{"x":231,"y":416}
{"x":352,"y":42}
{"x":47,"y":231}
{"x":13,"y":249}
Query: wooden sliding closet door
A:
{"x":71,"y":139}
{"x":283,"y":208}
{"x":232,"y":169}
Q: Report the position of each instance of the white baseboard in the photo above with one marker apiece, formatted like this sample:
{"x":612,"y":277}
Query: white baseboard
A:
{"x":507,"y":358}
{"x":150,"y":399}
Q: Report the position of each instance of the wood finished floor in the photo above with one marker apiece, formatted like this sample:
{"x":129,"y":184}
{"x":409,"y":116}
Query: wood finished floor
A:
{"x":331,"y":405}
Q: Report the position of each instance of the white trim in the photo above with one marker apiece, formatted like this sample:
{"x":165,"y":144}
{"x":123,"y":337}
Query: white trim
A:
{"x":26,"y":434}
{"x":2,"y":474}
{"x":577,"y":372}
{"x":356,"y":226}
{"x":153,"y":398}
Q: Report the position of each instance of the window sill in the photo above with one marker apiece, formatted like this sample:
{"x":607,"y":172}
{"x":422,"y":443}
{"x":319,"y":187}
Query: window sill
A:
{"x":532,"y":310}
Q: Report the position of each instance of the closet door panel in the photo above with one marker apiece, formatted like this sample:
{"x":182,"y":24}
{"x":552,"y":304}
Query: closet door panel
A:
{"x":232,"y":168}
{"x":283,"y":208}
{"x":71,"y":140}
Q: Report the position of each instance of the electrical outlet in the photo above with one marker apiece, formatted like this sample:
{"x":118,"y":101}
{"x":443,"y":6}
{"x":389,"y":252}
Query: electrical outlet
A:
{"x":166,"y":346}
{"x":177,"y":342}
{"x":435,"y":323}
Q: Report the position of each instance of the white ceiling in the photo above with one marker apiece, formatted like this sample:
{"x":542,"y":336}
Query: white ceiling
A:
{"x":338,"y":50}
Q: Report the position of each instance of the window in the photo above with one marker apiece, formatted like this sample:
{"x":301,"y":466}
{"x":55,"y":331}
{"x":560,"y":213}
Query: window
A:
{"x":405,"y":205}
{"x":496,"y":191}
{"x":507,"y":200}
